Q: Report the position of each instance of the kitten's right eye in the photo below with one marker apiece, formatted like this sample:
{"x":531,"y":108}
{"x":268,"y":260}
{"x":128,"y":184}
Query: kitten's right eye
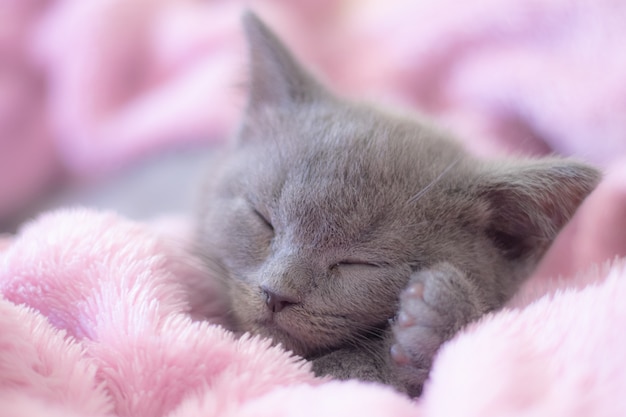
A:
{"x":355,"y":263}
{"x":264,"y":219}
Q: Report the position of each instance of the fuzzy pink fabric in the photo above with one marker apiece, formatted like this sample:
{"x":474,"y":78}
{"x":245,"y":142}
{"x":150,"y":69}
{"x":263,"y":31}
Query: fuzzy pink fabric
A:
{"x":532,"y":76}
{"x":97,"y":319}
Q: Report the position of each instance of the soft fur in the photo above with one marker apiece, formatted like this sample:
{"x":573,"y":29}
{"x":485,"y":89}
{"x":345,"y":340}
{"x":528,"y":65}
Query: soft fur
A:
{"x":334,"y":208}
{"x":95,"y":321}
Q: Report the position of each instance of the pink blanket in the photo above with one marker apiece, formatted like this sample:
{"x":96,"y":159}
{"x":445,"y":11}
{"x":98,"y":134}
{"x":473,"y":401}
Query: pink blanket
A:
{"x":98,"y":318}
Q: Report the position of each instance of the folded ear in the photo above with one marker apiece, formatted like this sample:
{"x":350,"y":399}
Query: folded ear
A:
{"x":276,"y":78}
{"x":531,"y":201}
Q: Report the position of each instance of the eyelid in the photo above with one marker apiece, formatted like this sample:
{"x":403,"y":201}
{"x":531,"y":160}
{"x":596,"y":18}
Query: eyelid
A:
{"x":263,"y":218}
{"x":355,"y":262}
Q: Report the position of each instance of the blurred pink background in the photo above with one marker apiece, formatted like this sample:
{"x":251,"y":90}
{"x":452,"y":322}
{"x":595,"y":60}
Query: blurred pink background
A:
{"x":91,"y":90}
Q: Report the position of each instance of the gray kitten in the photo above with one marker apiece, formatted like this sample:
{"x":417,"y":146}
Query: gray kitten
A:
{"x":362,"y":240}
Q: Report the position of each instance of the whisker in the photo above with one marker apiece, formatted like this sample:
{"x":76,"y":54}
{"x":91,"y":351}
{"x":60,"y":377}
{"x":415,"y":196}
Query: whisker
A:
{"x":439,"y":177}
{"x":360,"y":342}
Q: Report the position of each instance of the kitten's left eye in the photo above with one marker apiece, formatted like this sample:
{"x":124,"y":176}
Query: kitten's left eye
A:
{"x":264,"y":219}
{"x":355,"y":262}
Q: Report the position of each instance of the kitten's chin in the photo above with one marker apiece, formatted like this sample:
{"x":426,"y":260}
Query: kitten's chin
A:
{"x":298,"y":334}
{"x":279,"y":336}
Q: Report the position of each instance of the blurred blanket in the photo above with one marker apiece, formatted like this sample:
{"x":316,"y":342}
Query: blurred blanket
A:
{"x":98,"y":318}
{"x":87,"y":87}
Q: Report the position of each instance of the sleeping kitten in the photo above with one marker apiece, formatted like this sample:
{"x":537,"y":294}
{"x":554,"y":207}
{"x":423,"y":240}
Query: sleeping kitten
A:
{"x":362,"y":240}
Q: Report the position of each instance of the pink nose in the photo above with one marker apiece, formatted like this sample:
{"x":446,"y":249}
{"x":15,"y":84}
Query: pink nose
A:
{"x":277,"y":302}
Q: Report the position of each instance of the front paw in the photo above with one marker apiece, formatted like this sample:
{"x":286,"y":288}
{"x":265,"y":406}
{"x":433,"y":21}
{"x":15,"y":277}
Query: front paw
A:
{"x":435,"y":305}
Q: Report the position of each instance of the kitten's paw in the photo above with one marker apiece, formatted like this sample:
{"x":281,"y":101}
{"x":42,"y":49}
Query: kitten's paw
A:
{"x":434,"y":306}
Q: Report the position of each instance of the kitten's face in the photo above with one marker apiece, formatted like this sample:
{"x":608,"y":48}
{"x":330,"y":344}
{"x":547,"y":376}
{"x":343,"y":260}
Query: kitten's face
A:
{"x":330,"y":206}
{"x":323,"y":207}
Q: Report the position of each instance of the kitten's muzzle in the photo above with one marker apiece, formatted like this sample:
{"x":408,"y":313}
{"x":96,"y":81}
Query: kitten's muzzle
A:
{"x":276,"y":302}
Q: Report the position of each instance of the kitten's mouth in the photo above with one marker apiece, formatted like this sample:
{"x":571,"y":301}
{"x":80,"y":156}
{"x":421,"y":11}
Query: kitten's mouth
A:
{"x":305,"y":332}
{"x":279,"y":334}
{"x":267,"y":322}
{"x":281,"y":329}
{"x":273,"y":322}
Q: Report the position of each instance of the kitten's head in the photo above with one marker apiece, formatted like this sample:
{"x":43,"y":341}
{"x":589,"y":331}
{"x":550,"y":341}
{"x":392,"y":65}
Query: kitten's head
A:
{"x":323,"y":208}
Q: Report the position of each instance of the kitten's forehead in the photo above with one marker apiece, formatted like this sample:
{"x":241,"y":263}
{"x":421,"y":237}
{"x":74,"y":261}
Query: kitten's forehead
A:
{"x":352,"y":143}
{"x":340,"y":177}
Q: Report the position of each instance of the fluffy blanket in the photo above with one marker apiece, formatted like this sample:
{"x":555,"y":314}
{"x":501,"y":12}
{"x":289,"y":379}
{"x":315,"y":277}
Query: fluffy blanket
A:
{"x":99,"y":317}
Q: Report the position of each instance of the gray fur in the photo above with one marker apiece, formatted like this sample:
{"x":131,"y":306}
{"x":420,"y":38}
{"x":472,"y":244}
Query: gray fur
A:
{"x":356,"y":216}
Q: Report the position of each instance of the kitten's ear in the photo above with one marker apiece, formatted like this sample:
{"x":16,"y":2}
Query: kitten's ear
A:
{"x":276,"y":78}
{"x":532,"y":201}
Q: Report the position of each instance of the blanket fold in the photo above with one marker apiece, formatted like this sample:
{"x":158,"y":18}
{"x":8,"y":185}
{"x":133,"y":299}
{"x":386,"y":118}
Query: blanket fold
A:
{"x":97,"y":319}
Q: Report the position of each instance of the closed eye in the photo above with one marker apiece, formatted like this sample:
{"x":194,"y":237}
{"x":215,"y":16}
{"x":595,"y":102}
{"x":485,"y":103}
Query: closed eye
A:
{"x":264,"y":219}
{"x":355,"y":262}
